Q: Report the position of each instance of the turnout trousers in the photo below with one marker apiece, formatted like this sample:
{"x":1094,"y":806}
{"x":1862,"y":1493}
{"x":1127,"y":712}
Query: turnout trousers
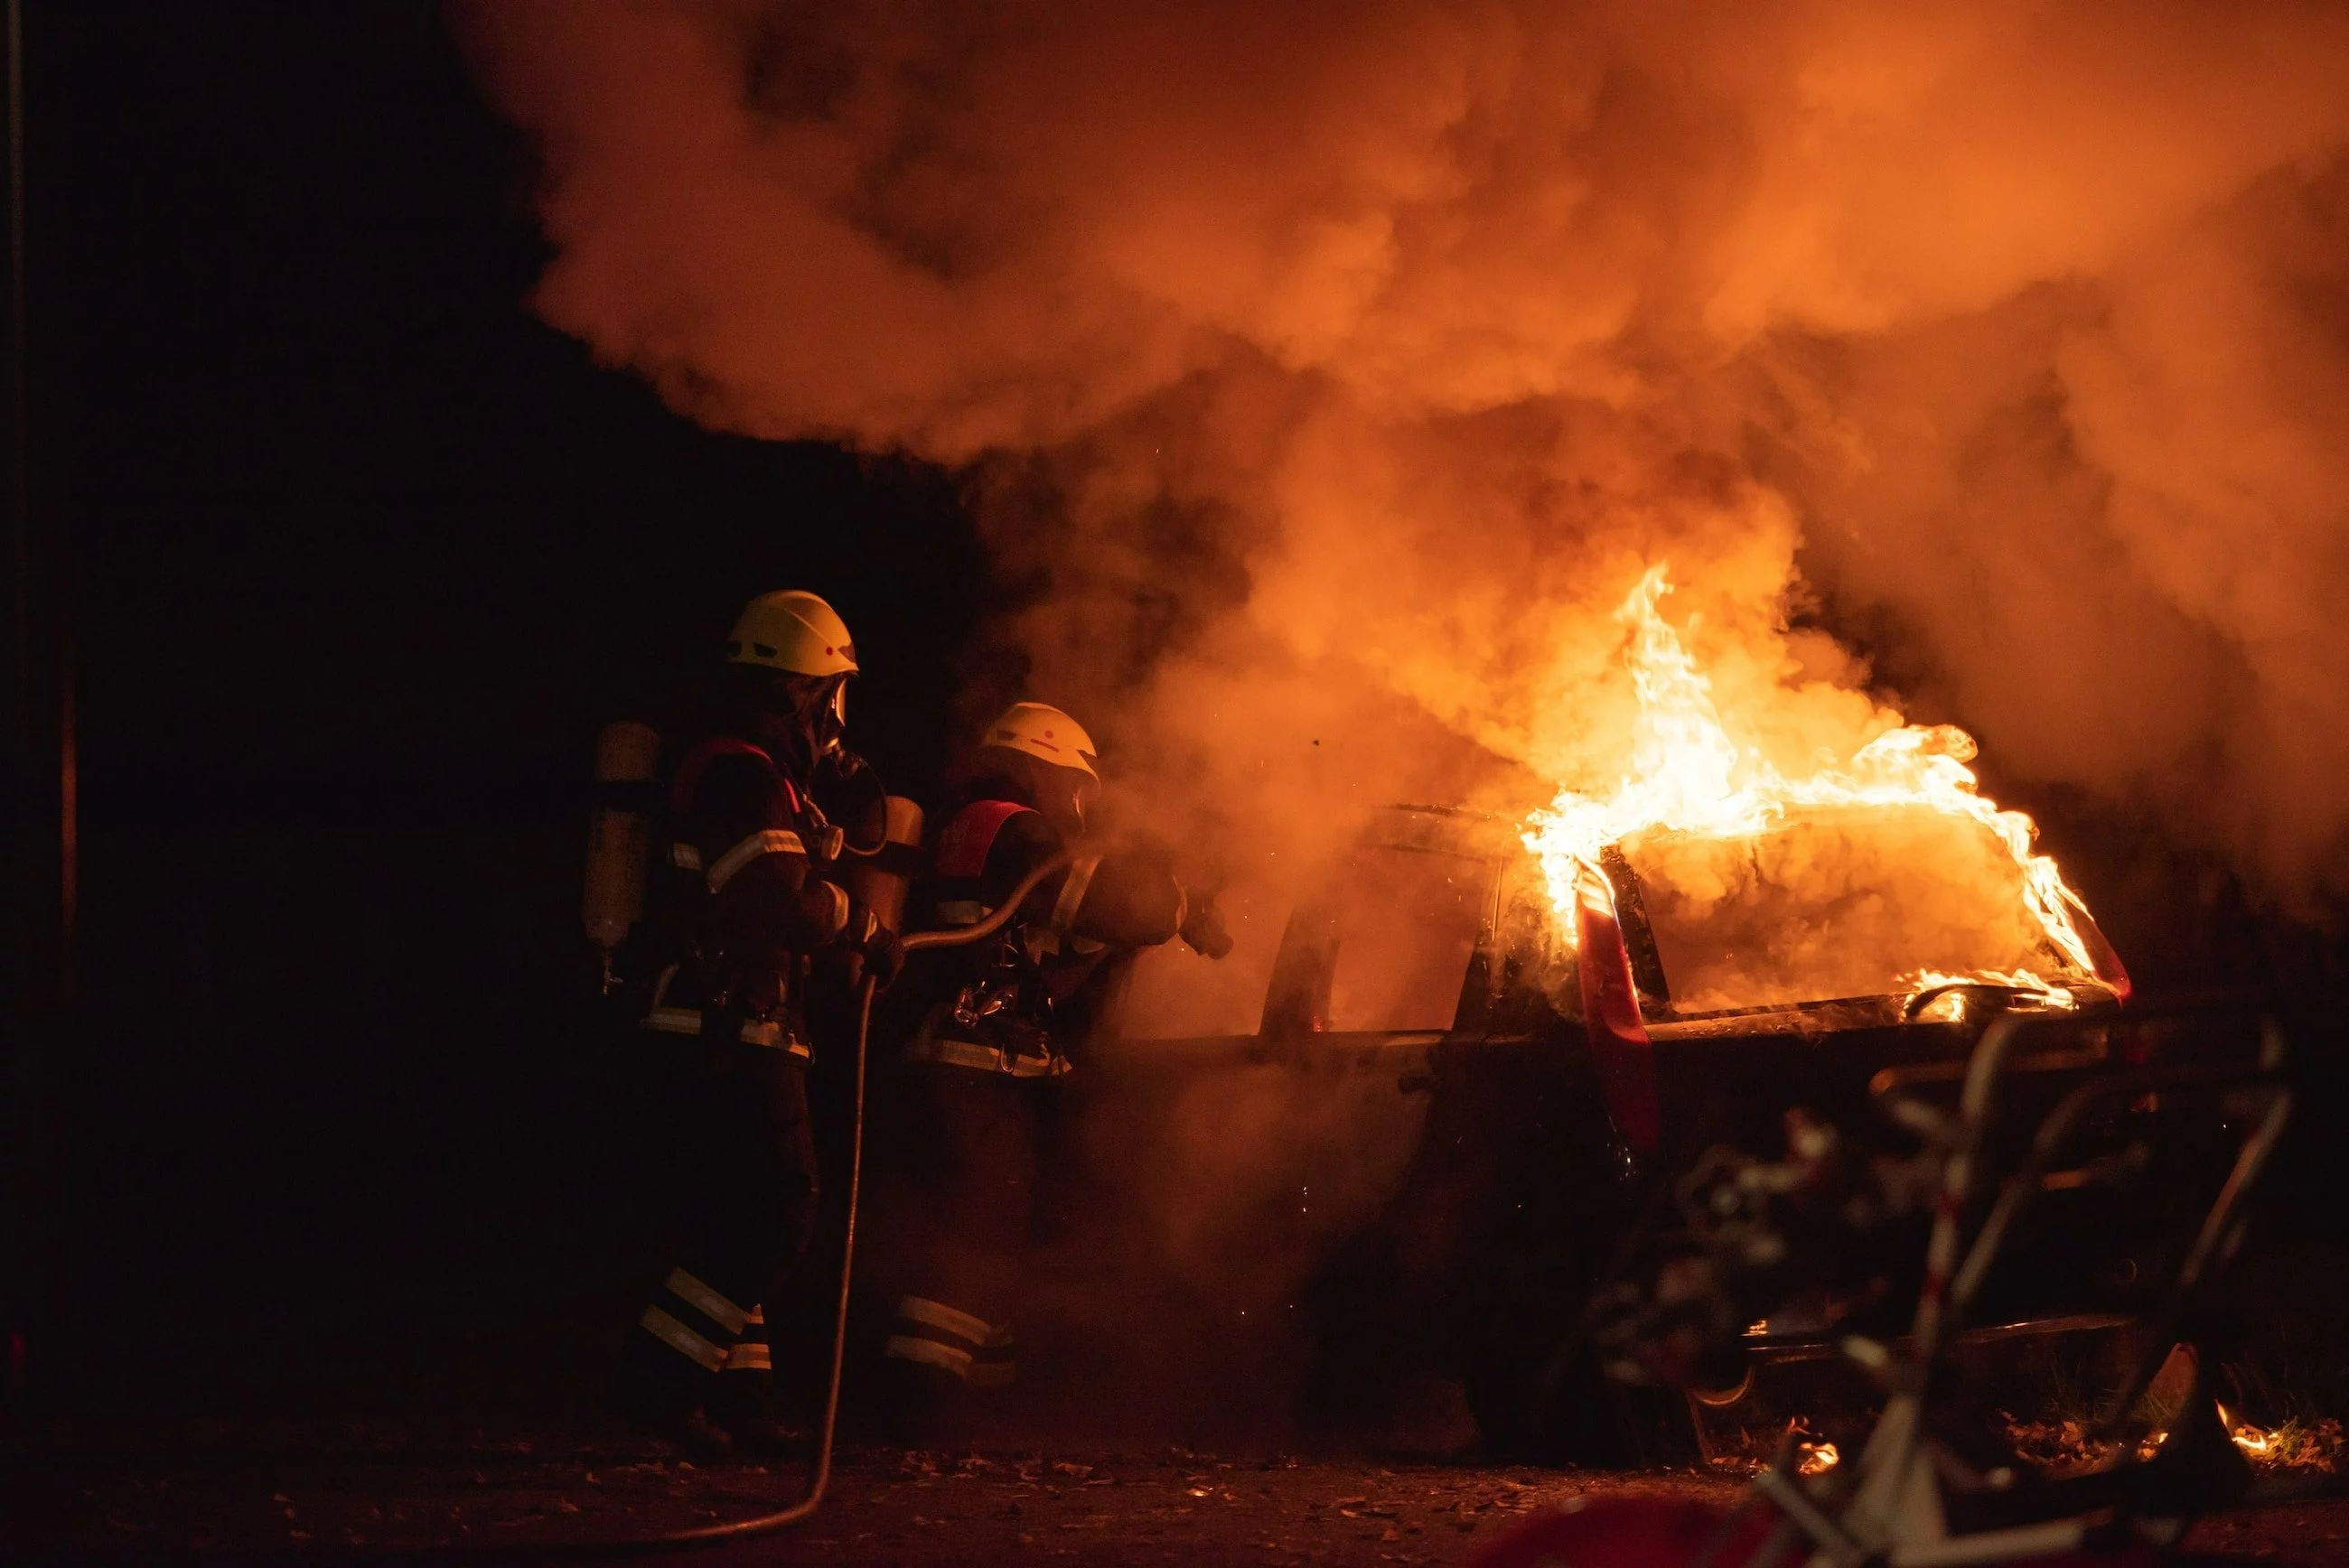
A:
{"x":969,"y":1218}
{"x":741,"y":1213}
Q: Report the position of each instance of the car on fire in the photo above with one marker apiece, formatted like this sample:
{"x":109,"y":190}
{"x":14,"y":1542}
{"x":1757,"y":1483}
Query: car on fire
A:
{"x":1503,"y":1092}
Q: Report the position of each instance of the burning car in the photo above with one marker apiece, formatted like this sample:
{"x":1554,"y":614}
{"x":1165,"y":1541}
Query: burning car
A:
{"x":1585,"y":1000}
{"x":1564,"y":1076}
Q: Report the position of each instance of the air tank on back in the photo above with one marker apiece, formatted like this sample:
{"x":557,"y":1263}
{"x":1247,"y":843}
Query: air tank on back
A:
{"x":619,"y":835}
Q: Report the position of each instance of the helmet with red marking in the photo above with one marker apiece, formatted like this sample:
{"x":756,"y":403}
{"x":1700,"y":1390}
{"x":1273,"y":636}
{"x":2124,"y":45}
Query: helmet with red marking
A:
{"x":794,"y":631}
{"x":1044,"y":733}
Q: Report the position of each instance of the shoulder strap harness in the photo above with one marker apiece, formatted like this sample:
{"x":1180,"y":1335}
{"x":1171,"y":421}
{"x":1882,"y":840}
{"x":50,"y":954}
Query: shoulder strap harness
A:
{"x":811,"y":835}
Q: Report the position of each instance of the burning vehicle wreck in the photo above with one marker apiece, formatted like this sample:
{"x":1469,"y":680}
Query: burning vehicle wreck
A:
{"x":1561,"y":1084}
{"x":1584,"y":1003}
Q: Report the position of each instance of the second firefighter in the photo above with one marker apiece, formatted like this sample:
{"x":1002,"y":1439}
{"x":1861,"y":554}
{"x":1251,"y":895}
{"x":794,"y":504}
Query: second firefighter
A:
{"x":1001,"y":1021}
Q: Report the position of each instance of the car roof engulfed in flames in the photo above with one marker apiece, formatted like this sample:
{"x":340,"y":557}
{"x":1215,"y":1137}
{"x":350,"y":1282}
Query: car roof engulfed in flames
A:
{"x":1833,"y":917}
{"x":1830,"y":903}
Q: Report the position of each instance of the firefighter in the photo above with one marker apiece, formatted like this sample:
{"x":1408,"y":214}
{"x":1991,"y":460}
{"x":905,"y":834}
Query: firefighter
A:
{"x":744,"y":906}
{"x":1001,"y":1019}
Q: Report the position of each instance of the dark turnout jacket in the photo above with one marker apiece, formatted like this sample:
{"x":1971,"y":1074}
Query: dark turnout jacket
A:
{"x":1014,"y":1003}
{"x":743,"y":901}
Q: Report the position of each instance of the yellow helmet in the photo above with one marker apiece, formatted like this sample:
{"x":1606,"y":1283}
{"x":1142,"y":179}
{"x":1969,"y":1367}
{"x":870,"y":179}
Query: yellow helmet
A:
{"x":1044,"y":732}
{"x":793,"y":631}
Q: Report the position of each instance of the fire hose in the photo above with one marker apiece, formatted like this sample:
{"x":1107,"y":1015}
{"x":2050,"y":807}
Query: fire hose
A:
{"x":805,"y":1507}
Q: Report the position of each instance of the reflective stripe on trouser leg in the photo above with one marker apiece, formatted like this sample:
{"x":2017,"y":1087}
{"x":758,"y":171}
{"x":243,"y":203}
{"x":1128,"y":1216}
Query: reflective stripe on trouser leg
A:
{"x":750,"y":1353}
{"x":936,"y":1334}
{"x":694,"y":1320}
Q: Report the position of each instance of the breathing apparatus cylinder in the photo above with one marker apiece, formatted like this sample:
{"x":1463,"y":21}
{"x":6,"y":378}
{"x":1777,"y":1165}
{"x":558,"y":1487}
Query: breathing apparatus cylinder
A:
{"x":619,"y":835}
{"x":879,"y":880}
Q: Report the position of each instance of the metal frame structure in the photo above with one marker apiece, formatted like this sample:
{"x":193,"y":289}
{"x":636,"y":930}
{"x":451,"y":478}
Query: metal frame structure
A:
{"x":1888,"y":1506}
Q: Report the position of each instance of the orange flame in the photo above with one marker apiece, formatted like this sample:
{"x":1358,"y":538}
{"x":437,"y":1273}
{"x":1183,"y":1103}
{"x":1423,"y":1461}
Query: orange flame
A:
{"x":1690,"y":772}
{"x":2254,"y":1440}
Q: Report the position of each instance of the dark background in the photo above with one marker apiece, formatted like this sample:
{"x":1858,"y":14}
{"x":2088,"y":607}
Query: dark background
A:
{"x":361,"y":555}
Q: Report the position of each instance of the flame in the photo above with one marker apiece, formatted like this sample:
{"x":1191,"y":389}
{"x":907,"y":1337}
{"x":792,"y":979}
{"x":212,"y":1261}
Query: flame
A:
{"x":1689,"y":772}
{"x":2254,"y":1440}
{"x":1818,"y":1458}
{"x":2046,"y":993}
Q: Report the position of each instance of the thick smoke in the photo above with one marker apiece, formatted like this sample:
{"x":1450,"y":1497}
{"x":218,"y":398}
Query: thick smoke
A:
{"x":1329,"y":371}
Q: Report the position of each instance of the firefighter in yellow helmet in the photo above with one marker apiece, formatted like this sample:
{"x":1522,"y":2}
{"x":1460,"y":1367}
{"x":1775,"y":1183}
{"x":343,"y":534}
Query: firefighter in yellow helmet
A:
{"x":1001,"y":1022}
{"x":745,"y":904}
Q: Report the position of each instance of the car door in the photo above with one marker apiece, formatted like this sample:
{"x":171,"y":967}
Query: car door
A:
{"x":1251,"y":1113}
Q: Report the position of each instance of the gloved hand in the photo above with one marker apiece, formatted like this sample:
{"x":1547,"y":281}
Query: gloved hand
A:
{"x":1203,"y":925}
{"x":884,"y":957}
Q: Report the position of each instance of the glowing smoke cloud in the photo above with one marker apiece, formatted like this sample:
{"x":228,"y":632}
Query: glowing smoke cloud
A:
{"x":1338,"y":368}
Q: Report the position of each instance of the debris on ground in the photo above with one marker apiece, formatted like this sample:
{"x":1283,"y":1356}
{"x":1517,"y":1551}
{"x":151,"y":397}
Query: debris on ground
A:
{"x":280,"y":1490}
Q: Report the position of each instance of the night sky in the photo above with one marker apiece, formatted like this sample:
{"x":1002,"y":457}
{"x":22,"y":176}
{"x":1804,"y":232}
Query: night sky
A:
{"x":362,"y":557}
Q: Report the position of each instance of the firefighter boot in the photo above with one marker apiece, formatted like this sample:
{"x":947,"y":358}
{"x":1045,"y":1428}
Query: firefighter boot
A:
{"x":744,"y":1400}
{"x":671,"y":1361}
{"x":653,"y":1396}
{"x":943,"y":1368}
